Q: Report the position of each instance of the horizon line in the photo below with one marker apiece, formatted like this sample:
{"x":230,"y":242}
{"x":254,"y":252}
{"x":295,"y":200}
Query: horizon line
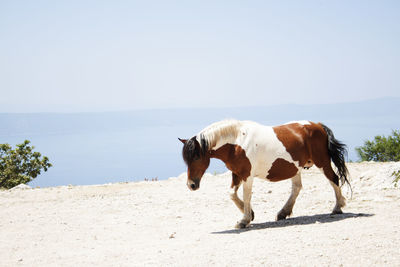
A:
{"x":191,"y":108}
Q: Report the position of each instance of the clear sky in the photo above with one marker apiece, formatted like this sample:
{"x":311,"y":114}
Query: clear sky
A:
{"x":121,"y":55}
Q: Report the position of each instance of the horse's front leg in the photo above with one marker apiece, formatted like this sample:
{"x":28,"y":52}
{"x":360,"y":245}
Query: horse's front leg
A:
{"x":235,"y":198}
{"x":248,"y":213}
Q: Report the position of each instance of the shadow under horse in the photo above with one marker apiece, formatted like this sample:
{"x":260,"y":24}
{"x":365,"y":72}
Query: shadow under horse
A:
{"x":301,"y":220}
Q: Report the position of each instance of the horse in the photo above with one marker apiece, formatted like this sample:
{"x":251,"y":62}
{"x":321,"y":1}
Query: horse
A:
{"x":272,"y":153}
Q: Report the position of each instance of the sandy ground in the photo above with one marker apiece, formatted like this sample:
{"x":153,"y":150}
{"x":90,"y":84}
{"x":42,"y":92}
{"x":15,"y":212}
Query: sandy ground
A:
{"x":163,"y":223}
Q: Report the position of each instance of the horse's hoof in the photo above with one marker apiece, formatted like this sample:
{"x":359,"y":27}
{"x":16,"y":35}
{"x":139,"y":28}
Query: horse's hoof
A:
{"x":252,"y":215}
{"x":281,"y":215}
{"x":241,"y":225}
{"x":337,"y":211}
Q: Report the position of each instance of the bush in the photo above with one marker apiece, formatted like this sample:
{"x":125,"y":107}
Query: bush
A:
{"x":20,"y":165}
{"x":381,"y":149}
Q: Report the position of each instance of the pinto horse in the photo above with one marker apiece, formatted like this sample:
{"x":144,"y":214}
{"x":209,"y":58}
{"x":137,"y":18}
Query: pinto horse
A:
{"x":275,"y":153}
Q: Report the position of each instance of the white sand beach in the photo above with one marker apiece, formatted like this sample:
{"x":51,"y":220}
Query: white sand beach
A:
{"x":163,"y":223}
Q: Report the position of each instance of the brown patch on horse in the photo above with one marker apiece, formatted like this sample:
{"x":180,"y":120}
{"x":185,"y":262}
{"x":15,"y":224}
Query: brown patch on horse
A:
{"x":294,"y":138}
{"x":307,"y":144}
{"x":235,"y":160}
{"x":281,"y":169}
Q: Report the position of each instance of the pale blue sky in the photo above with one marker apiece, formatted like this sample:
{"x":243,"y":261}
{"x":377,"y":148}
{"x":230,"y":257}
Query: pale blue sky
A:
{"x":121,"y":55}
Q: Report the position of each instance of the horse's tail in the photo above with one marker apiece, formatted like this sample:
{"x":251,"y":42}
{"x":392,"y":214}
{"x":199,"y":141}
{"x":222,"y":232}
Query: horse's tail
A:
{"x":337,"y":152}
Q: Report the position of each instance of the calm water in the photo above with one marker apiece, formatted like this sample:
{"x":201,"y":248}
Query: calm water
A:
{"x":97,"y":148}
{"x":97,"y":157}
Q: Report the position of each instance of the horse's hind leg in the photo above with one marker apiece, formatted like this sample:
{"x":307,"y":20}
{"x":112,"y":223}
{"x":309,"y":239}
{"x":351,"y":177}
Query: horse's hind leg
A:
{"x":340,"y":200}
{"x":238,"y":202}
{"x":287,"y":209}
{"x":334,"y":181}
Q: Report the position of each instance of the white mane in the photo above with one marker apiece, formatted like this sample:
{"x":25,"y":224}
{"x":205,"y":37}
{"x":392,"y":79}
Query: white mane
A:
{"x":220,"y":133}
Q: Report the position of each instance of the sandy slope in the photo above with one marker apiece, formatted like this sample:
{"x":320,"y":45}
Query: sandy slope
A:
{"x":163,"y":223}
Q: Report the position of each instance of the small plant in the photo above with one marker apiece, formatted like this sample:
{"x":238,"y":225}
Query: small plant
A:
{"x":396,"y":175}
{"x":20,"y":165}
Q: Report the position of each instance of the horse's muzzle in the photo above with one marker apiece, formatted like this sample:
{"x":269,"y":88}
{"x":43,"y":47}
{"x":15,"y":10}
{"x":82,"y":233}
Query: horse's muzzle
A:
{"x":193,"y":185}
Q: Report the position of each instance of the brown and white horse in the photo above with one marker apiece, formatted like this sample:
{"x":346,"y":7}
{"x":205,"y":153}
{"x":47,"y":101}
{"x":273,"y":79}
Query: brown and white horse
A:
{"x":275,"y":153}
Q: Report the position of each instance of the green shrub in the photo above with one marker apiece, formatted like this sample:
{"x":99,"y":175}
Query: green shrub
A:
{"x":381,"y":148}
{"x":20,"y":165}
{"x":396,"y":175}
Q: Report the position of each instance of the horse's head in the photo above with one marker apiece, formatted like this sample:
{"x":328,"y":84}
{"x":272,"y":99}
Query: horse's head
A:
{"x":197,"y":159}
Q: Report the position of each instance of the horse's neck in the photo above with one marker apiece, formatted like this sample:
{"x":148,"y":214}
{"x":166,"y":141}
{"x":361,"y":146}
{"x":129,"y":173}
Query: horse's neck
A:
{"x":219,"y":134}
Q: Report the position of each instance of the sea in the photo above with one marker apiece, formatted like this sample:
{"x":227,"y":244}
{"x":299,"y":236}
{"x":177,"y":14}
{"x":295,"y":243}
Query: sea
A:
{"x":110,"y":147}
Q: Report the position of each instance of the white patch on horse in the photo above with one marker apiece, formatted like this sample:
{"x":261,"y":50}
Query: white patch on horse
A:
{"x":302,"y":122}
{"x":269,"y":148}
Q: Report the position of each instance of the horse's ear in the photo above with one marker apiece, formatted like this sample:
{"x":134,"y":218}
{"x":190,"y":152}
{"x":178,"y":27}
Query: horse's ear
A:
{"x":183,"y":140}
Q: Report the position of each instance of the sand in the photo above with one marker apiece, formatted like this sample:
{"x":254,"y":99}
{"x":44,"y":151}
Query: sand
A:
{"x":163,"y":223}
